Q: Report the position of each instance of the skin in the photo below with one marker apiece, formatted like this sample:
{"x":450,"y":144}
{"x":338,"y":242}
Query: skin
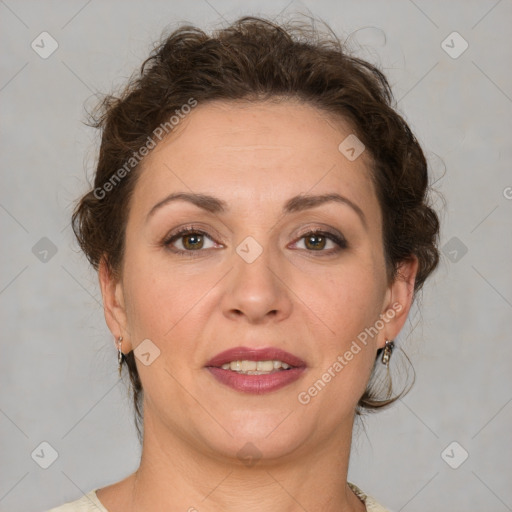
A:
{"x":310,"y":301}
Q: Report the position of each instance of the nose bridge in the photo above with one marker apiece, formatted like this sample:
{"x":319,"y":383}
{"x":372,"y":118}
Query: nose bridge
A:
{"x":255,"y":289}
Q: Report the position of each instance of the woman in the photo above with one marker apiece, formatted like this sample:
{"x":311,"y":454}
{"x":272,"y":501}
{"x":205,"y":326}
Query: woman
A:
{"x":260,"y":225}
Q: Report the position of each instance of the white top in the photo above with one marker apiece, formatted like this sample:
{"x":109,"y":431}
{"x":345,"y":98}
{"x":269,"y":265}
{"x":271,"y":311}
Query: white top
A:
{"x":90,"y":503}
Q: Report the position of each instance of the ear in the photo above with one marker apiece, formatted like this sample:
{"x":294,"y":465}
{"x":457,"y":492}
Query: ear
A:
{"x":398,"y":301}
{"x":113,"y":303}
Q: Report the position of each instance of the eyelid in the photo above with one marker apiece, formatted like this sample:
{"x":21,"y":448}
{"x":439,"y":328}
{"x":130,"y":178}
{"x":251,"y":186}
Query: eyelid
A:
{"x":182,"y":231}
{"x":319,"y":228}
{"x":323,"y":230}
{"x":333,"y":235}
{"x":187,"y":229}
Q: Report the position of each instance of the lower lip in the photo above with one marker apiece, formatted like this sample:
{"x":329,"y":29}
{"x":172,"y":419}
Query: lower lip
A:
{"x":256,"y":384}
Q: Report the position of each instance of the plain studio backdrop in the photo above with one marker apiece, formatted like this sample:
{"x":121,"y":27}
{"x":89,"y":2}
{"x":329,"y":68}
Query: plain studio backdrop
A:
{"x":446,"y":446}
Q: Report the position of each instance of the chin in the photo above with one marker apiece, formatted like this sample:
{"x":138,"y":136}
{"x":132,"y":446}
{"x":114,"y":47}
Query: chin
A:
{"x":263,"y":437}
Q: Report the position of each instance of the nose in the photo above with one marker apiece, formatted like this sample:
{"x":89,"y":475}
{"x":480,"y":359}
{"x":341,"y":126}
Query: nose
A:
{"x":257,"y":292}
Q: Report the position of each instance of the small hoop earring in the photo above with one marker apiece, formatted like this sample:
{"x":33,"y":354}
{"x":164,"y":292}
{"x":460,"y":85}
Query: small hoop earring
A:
{"x":388,"y":350}
{"x":119,"y":354}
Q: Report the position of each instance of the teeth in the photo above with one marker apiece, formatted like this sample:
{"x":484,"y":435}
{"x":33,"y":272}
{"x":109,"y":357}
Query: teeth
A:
{"x":255,"y":367}
{"x":265,"y":366}
{"x":249,"y":366}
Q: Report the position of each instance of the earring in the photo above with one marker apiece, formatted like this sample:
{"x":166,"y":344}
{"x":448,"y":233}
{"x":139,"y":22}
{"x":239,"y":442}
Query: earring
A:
{"x":388,"y":349}
{"x":119,"y":354}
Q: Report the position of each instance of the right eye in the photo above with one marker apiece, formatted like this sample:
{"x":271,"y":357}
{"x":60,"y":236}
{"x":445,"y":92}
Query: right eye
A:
{"x":188,"y":240}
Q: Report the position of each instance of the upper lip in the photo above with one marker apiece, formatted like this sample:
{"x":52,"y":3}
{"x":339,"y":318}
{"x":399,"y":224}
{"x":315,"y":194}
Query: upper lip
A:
{"x":255,"y":354}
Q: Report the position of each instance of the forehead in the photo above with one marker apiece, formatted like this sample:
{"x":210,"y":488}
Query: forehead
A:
{"x":256,"y":153}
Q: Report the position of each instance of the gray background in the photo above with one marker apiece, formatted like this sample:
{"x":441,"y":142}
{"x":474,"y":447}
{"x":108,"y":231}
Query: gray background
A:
{"x":58,"y":362}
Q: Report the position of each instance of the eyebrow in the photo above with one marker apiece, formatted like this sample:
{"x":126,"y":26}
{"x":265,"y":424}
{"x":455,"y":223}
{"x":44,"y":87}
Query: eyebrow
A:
{"x":295,"y":204}
{"x":304,"y":202}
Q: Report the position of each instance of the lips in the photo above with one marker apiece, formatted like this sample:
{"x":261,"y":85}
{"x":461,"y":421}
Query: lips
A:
{"x":255,"y":354}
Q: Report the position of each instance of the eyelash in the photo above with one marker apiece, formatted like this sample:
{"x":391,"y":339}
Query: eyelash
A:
{"x":179,"y":234}
{"x":339,"y":241}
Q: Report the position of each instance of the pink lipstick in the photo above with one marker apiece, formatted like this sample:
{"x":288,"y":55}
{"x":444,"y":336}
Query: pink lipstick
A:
{"x":239,"y":369}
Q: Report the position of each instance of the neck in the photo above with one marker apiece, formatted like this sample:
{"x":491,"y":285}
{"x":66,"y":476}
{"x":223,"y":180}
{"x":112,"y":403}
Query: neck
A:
{"x":175,"y":475}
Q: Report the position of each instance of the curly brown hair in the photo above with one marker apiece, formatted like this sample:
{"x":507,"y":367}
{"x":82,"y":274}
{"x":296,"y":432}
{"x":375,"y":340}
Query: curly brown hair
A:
{"x":255,"y":59}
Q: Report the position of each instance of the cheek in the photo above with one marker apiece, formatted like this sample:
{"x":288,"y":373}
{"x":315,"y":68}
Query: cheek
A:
{"x":169,"y":305}
{"x":347,"y":299}
{"x":157,"y":300}
{"x":347,"y":302}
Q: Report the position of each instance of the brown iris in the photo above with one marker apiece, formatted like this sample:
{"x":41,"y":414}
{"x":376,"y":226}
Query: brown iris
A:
{"x":193,"y":241}
{"x":315,"y":241}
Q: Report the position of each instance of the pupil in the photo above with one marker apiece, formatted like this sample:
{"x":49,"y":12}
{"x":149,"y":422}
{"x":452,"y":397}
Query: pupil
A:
{"x":193,"y":241}
{"x":320,"y":241}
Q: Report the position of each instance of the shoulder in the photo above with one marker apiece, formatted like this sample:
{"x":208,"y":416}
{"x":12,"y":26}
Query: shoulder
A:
{"x":371,"y":504}
{"x":87,"y":503}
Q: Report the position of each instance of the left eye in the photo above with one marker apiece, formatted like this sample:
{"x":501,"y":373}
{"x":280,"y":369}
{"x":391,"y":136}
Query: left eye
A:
{"x":319,"y":240}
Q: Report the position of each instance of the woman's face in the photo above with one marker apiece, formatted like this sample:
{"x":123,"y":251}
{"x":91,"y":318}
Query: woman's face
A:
{"x":250,"y":274}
